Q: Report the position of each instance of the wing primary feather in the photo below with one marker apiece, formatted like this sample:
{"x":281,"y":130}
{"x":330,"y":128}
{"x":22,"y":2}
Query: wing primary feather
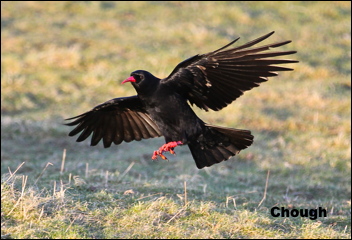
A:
{"x":82,"y":124}
{"x":150,"y":130}
{"x":135,"y":128}
{"x":119,"y":130}
{"x":141,"y":125}
{"x":251,"y":43}
{"x":127,"y":130}
{"x":109,"y":131}
{"x":255,"y":69}
{"x":98,"y":131}
{"x":74,"y":122}
{"x":232,"y":53}
{"x":86,"y":133}
{"x":227,"y":45}
{"x":253,"y":62}
{"x":263,"y":55}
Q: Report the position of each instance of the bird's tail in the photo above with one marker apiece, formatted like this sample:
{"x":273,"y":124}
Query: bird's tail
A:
{"x":217,"y":144}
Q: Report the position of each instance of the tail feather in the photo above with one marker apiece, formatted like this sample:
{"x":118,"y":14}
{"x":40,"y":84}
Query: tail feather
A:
{"x":218,"y":144}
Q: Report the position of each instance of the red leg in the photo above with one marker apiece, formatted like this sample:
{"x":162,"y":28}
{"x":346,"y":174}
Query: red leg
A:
{"x":168,"y":147}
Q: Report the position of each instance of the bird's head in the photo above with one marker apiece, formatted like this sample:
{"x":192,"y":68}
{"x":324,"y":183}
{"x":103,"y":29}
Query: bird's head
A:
{"x":142,"y":81}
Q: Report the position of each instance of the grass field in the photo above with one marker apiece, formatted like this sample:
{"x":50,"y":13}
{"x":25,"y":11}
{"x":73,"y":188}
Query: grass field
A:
{"x":59,"y":59}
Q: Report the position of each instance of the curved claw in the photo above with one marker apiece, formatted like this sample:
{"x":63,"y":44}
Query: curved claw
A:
{"x":168,"y":147}
{"x":158,"y":153}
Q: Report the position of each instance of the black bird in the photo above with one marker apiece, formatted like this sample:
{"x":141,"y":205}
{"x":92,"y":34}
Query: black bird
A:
{"x":160,"y":108}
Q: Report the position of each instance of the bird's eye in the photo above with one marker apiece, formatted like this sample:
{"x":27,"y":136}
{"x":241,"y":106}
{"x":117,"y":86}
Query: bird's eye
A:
{"x":138,"y":78}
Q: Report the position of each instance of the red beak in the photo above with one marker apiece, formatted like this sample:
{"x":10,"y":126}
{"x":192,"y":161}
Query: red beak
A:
{"x":130,"y":79}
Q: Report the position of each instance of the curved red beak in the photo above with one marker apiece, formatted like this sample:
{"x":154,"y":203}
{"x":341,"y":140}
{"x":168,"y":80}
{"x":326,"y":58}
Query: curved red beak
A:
{"x":130,"y":79}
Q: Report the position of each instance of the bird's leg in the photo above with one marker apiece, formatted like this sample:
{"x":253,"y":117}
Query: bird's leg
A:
{"x":168,"y":147}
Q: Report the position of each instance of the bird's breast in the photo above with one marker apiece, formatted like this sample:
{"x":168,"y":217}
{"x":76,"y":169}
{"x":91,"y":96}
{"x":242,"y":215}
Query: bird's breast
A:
{"x":174,"y":117}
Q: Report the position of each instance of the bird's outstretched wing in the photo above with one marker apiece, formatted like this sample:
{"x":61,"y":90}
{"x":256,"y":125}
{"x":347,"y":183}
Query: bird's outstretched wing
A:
{"x":215,"y":79}
{"x":117,"y":120}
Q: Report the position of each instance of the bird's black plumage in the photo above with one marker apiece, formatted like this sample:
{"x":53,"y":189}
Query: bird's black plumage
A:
{"x":160,"y":108}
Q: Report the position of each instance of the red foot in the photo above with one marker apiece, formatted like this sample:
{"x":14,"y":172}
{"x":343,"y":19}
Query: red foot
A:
{"x":168,"y":147}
